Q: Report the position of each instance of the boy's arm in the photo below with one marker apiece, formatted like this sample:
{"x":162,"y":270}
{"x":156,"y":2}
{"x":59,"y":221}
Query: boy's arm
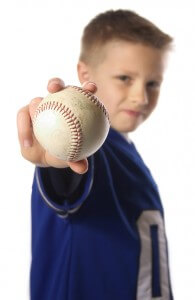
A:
{"x":63,"y":190}
{"x":54,"y":181}
{"x":62,"y":184}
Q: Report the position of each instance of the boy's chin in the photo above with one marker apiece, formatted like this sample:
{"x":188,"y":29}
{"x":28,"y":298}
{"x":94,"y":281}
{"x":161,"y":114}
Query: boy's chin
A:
{"x":126,"y":128}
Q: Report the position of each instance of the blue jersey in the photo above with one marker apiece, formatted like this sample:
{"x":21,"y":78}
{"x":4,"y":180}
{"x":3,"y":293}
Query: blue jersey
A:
{"x":109,"y":244}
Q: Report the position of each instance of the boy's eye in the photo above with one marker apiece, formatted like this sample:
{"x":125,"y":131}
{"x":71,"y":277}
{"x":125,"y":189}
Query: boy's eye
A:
{"x":124,"y":78}
{"x":153,"y":84}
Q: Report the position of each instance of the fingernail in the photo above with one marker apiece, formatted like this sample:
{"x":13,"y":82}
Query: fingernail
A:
{"x":88,"y":82}
{"x":34,"y":101}
{"x":27,"y":143}
{"x":84,"y":83}
{"x":57,"y":81}
{"x":92,"y":83}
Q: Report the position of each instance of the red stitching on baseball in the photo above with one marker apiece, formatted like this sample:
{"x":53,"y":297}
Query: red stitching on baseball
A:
{"x":91,"y":97}
{"x":71,"y":120}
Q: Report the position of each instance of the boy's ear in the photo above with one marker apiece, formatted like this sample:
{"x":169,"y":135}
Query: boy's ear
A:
{"x":83,"y":72}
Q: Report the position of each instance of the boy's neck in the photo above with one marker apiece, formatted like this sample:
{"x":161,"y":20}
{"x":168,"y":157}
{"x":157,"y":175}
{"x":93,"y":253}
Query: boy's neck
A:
{"x":126,"y":136}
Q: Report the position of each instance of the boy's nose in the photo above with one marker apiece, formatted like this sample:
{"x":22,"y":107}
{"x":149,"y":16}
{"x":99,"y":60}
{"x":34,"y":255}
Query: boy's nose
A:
{"x":138,"y":95}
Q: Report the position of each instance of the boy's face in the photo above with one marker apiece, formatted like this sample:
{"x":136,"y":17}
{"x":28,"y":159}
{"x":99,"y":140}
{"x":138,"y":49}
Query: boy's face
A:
{"x":128,"y":80}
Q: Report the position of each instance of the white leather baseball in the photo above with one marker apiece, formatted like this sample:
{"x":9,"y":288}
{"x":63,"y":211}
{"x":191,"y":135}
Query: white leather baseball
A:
{"x":71,"y":124}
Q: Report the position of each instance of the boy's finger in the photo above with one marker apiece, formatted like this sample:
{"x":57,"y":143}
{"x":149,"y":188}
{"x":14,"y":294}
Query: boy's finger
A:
{"x":24,"y":127}
{"x":55,"y":85}
{"x":33,"y":105}
{"x":89,"y":86}
{"x":80,"y":167}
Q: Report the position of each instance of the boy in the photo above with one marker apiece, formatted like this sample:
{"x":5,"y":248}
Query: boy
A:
{"x":97,"y":226}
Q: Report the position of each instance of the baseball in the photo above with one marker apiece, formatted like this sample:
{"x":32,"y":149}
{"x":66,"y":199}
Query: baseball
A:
{"x":71,"y":124}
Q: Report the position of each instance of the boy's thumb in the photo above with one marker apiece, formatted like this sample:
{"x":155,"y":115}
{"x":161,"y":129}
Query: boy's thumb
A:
{"x":33,"y":105}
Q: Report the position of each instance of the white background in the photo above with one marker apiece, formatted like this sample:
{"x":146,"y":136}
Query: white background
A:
{"x":40,"y":40}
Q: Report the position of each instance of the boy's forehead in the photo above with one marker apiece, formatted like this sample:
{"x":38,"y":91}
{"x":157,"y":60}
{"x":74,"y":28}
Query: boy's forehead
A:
{"x":129,"y":56}
{"x":131,"y":50}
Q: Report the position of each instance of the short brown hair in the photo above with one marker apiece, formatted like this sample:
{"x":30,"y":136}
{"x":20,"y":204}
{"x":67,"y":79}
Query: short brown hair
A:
{"x":121,"y":25}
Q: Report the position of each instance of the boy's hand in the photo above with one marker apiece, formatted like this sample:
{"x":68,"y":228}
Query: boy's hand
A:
{"x":30,"y":148}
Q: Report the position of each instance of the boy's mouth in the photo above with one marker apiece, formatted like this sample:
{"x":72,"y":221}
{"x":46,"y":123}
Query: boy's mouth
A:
{"x":133,"y":112}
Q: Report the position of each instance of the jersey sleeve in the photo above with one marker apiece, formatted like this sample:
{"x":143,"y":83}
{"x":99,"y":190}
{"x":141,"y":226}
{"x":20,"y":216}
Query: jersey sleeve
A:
{"x":61,"y":189}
